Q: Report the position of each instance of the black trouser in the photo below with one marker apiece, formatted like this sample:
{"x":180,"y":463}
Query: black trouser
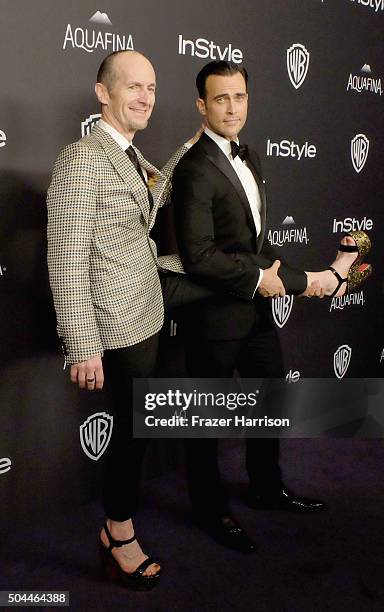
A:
{"x":125,"y":453}
{"x":258,"y":355}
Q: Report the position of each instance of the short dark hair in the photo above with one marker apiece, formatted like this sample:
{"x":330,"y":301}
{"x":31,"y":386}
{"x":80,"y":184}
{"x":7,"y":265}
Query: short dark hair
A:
{"x":221,"y":68}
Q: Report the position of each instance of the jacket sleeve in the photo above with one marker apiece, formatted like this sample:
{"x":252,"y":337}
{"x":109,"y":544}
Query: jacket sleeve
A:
{"x":193,"y":195}
{"x":71,"y":206}
{"x":167,"y":170}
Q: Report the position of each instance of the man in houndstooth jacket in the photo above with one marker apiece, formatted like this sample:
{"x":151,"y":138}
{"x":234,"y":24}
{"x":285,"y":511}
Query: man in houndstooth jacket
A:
{"x":104,"y":275}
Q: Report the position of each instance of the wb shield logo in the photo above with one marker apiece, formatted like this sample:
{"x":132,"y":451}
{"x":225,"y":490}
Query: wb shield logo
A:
{"x":359,"y":151}
{"x":88,"y":123}
{"x":95,"y":434}
{"x":341,"y":360}
{"x":281,"y":309}
{"x":297,"y":64}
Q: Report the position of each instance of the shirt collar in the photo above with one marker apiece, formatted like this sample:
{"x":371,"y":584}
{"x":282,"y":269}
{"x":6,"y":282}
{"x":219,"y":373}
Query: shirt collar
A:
{"x":221,"y":142}
{"x":117,"y":136}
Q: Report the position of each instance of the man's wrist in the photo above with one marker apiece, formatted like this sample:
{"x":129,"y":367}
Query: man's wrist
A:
{"x":261,"y":272}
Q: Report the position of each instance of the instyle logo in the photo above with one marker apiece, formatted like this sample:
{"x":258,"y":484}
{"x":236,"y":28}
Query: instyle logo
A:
{"x":359,"y":151}
{"x":351,"y":224}
{"x":296,"y":235}
{"x":95,"y":434}
{"x":88,"y":123}
{"x":5,"y":465}
{"x":203,"y":48}
{"x":363,"y":82}
{"x":350,"y":299}
{"x":297,"y":64}
{"x":91,"y":40}
{"x":341,"y":360}
{"x":293,"y":376}
{"x":376,"y":5}
{"x":281,"y":309}
{"x":288,"y":148}
{"x":3,"y":139}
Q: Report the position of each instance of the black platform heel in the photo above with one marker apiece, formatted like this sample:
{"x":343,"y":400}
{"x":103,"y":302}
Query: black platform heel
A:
{"x":359,"y":271}
{"x":136,"y":581}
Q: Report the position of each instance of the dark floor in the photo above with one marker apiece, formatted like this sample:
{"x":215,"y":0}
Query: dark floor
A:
{"x":330,"y":561}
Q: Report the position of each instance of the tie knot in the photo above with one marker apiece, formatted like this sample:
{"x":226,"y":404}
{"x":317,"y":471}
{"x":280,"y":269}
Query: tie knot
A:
{"x":240,"y":150}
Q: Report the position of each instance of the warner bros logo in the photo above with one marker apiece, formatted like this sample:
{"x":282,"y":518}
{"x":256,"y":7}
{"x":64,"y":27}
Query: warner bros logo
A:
{"x":341,"y":360}
{"x":359,"y":151}
{"x":297,"y":64}
{"x":281,"y":309}
{"x":88,"y":123}
{"x":95,"y":434}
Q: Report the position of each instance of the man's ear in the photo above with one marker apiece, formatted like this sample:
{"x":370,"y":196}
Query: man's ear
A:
{"x":101,"y":93}
{"x":200,"y":103}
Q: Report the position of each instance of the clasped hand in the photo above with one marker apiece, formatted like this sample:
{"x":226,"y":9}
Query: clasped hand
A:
{"x":271,"y":284}
{"x":88,"y":374}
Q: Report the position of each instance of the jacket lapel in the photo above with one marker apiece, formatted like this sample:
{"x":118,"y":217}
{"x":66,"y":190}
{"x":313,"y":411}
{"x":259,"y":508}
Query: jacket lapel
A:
{"x":217,"y":157}
{"x":157,"y":190}
{"x":254,"y":166}
{"x":125,"y":169}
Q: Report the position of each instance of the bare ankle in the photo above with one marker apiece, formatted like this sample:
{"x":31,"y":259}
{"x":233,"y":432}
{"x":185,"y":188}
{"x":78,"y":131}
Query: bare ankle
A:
{"x":122,"y":528}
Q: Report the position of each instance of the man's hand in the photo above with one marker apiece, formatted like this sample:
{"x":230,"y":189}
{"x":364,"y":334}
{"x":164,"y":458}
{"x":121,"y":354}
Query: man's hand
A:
{"x":313,"y":290}
{"x":271,"y":285}
{"x":88,"y":374}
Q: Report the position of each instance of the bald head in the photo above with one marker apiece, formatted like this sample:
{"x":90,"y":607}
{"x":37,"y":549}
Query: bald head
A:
{"x":125,"y":88}
{"x":109,"y":68}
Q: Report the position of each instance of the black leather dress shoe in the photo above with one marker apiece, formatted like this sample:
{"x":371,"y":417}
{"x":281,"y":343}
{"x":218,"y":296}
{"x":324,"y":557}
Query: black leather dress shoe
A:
{"x":284,"y":499}
{"x":228,"y":533}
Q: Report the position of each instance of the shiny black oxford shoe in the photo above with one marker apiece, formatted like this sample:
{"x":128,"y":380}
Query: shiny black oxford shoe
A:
{"x":284,"y":499}
{"x":226,"y":531}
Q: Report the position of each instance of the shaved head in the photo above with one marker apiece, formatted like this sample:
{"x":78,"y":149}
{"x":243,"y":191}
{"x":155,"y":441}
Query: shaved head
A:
{"x":125,"y":88}
{"x":108,"y":72}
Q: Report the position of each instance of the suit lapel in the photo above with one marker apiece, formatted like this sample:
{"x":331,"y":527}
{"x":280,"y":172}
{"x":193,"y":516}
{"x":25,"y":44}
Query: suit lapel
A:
{"x":219,"y":159}
{"x":126,"y":170}
{"x":157,"y":190}
{"x":253,"y":165}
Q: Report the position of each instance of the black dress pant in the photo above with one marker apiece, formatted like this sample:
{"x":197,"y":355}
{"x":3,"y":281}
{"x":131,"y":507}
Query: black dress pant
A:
{"x":258,"y":355}
{"x":125,"y":453}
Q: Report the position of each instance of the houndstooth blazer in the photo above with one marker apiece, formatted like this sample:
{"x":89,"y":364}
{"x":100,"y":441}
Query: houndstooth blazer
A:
{"x":103,"y":265}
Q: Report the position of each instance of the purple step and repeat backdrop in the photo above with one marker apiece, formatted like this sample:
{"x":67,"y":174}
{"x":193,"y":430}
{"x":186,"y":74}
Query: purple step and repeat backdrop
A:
{"x":316,"y":118}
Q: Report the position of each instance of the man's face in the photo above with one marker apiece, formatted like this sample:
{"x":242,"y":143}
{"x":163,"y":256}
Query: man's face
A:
{"x":225,"y":105}
{"x":129,"y":100}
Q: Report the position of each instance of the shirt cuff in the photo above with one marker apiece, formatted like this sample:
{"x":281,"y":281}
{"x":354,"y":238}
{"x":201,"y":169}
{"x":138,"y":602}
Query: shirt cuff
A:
{"x":188,"y":145}
{"x":258,"y":282}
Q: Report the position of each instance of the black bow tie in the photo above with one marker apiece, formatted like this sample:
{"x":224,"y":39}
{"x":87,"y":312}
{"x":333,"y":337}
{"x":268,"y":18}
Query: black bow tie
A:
{"x":240,"y":150}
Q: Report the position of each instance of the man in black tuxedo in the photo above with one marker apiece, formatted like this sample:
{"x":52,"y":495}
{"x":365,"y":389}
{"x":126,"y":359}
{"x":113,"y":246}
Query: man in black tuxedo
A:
{"x":220,"y":209}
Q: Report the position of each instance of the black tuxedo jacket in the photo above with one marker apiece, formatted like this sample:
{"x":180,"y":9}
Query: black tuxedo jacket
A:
{"x":217,"y":239}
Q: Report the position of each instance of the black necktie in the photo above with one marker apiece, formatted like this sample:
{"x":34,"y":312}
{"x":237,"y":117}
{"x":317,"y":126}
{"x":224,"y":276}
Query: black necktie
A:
{"x":134,"y":159}
{"x":241,"y":151}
